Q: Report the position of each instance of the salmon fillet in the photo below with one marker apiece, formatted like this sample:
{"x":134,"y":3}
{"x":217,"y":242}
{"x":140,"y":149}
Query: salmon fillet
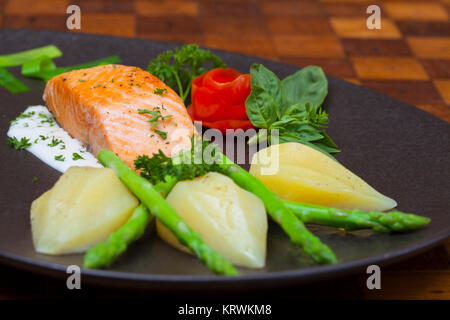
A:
{"x":99,"y":107}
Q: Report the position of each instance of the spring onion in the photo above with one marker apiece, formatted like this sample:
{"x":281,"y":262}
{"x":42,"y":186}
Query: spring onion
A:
{"x":44,"y":67}
{"x":18,"y":58}
{"x":11,"y":83}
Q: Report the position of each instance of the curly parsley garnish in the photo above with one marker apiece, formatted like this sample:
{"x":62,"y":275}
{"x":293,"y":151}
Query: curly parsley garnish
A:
{"x":179,"y":67}
{"x":159,"y":166}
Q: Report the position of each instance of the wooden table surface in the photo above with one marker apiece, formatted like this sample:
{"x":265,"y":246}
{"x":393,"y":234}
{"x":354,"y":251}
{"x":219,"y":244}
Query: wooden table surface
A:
{"x":409,"y":58}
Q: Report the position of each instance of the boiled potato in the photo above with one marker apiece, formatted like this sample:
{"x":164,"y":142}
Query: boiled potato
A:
{"x":84,"y":206}
{"x":303,"y":174}
{"x":231,"y":220}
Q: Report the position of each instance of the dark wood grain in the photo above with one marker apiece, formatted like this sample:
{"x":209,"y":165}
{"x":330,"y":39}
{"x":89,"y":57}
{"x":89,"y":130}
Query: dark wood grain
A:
{"x":408,"y":59}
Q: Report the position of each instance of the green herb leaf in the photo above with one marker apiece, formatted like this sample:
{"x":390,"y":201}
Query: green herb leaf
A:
{"x":307,"y":85}
{"x":76,"y":156}
{"x":146,"y":111}
{"x":291,"y":106}
{"x":54,"y":142}
{"x":156,"y":115}
{"x":48,"y":118}
{"x":160,"y":91}
{"x":60,"y":158}
{"x":17,"y":144}
{"x":160,"y":167}
{"x":162,"y":134}
{"x":22,"y":116}
{"x":266,"y":79}
{"x":261,"y":108}
{"x":177,"y":68}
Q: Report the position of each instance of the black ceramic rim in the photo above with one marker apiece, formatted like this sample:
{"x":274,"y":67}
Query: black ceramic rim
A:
{"x":214,"y":282}
{"x":168,"y":282}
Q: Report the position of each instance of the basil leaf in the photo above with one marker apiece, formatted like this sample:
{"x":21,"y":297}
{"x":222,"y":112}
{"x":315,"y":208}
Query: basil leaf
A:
{"x":327,"y":142}
{"x":261,"y":109}
{"x":266,"y":79}
{"x":307,"y":85}
{"x":297,"y":110}
{"x":297,"y":129}
{"x":325,"y":149}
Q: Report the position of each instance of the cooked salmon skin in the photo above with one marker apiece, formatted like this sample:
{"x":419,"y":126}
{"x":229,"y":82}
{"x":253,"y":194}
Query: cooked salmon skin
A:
{"x":99,"y":106}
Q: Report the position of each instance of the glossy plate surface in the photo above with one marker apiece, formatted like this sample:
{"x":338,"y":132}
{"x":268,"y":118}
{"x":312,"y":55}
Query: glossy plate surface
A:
{"x":400,"y":150}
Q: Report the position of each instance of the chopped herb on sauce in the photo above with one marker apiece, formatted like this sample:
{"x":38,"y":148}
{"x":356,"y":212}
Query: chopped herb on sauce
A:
{"x":60,"y":158}
{"x":76,"y":156}
{"x":54,"y":142}
{"x":19,"y":144}
{"x":22,"y":116}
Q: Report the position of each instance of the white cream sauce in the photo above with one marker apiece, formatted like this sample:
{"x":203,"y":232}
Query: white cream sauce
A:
{"x":49,"y":142}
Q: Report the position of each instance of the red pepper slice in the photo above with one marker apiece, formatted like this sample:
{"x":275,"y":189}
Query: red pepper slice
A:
{"x":222,"y":125}
{"x":219,"y":95}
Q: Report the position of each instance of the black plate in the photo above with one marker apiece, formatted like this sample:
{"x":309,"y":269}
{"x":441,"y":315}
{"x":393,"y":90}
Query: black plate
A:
{"x":400,"y":150}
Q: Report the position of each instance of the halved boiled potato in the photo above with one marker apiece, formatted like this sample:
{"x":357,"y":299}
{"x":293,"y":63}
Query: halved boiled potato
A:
{"x":84,"y":206}
{"x":300,"y":173}
{"x":231,"y":220}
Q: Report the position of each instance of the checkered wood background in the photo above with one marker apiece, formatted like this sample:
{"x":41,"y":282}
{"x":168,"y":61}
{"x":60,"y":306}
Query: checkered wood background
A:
{"x":409,"y":58}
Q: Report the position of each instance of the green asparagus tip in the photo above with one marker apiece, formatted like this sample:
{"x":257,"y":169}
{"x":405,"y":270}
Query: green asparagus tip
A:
{"x":92,"y":260}
{"x":403,"y":222}
{"x":326,"y":256}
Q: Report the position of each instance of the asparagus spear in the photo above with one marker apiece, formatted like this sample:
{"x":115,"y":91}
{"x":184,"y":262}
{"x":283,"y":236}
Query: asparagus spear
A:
{"x":159,"y":166}
{"x":281,"y":214}
{"x":151,"y":198}
{"x":103,"y":254}
{"x":394,"y":221}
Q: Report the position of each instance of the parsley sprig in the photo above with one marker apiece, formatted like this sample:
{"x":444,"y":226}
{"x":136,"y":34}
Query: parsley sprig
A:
{"x":177,"y":68}
{"x":159,"y":167}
